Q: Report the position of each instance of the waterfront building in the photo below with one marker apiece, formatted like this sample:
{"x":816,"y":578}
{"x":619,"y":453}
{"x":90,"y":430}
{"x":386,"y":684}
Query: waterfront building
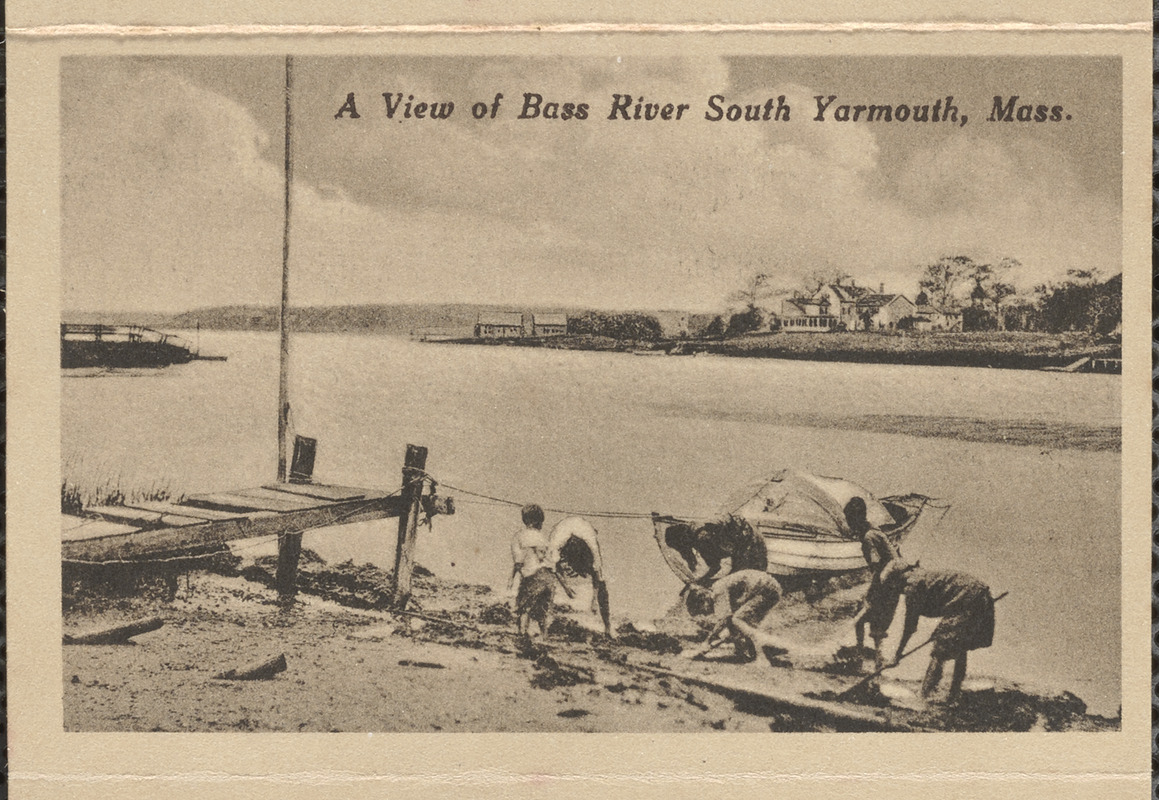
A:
{"x":932,"y":318}
{"x":548,"y":324}
{"x":807,"y":315}
{"x":882,"y":312}
{"x":499,"y":325}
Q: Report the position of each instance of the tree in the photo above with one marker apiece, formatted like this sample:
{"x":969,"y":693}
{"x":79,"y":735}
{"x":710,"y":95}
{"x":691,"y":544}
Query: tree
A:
{"x":715,"y":329}
{"x":757,"y":288}
{"x":745,"y":322}
{"x":941,"y":280}
{"x":1082,"y":303}
{"x":992,"y":288}
{"x":1002,"y":295}
{"x":815,"y":279}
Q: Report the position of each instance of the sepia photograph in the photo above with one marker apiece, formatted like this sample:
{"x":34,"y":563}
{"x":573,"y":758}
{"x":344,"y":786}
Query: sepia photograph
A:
{"x":591,"y":394}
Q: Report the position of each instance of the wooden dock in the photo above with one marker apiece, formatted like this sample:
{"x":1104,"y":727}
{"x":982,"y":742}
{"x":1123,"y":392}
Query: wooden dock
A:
{"x":135,"y":534}
{"x":1101,"y":364}
{"x":150,"y":530}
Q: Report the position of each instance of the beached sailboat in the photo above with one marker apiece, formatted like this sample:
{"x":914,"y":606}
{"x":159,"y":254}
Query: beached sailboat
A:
{"x":801,"y":518}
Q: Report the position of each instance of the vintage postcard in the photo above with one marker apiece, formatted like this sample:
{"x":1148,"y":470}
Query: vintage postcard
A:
{"x":507,"y":411}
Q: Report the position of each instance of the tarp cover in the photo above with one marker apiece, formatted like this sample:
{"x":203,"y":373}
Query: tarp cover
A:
{"x":802,"y":502}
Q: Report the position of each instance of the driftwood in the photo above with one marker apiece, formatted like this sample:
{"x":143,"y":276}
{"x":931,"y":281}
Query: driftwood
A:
{"x":256,"y":670}
{"x":839,"y":716}
{"x":406,"y":662}
{"x":120,"y":634}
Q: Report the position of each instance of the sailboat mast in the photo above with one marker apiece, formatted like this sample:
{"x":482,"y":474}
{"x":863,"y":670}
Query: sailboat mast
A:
{"x":283,"y":321}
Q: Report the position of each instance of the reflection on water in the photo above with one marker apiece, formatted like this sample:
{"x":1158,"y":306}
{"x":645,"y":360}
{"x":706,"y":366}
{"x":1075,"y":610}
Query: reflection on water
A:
{"x":1038,"y":517}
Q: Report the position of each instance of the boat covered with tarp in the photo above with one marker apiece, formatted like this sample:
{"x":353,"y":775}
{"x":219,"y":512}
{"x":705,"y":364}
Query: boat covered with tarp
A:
{"x":801,"y":518}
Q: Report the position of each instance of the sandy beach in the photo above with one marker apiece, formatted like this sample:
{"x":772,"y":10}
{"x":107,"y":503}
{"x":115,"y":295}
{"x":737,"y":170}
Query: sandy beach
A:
{"x":455,"y":664}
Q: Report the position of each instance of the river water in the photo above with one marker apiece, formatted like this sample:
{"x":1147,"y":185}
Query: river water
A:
{"x":616,"y":432}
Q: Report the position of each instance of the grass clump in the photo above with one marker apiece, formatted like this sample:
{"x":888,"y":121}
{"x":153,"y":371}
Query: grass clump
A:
{"x":75,"y":496}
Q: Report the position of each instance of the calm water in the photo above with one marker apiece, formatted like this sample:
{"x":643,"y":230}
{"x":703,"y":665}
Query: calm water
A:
{"x":598,"y":431}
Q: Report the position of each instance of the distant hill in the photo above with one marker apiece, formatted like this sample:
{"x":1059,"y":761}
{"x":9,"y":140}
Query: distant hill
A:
{"x":402,"y":319}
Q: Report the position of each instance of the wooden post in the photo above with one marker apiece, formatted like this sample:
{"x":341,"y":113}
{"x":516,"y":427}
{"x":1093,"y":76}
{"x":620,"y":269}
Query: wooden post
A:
{"x":283,"y":309}
{"x":412,"y":491}
{"x":289,"y":549}
{"x":302,"y":465}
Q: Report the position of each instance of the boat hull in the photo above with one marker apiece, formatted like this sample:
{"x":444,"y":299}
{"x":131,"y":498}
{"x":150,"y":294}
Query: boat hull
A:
{"x":806,"y":554}
{"x":120,"y":347}
{"x":121,"y":355}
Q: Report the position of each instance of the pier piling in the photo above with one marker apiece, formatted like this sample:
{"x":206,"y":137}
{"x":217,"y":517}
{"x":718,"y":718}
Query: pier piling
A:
{"x":412,"y":471}
{"x":289,"y":551}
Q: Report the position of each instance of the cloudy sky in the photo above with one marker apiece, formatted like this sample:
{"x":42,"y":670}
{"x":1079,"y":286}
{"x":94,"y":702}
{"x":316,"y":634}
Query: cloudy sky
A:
{"x":172,"y":180}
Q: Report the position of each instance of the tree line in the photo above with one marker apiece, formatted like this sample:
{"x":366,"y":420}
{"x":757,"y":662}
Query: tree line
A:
{"x":624,"y":325}
{"x":984,"y":292}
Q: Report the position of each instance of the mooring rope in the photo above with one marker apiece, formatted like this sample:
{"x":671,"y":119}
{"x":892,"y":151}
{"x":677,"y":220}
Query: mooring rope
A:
{"x":691,"y":518}
{"x":570,"y":512}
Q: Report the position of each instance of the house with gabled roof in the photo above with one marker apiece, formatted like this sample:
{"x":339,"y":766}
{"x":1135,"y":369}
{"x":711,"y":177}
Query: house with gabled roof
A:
{"x":832,"y":307}
{"x":883,"y":312}
{"x":841,"y":299}
{"x":548,"y":324}
{"x":499,"y":325}
{"x":806,"y":315}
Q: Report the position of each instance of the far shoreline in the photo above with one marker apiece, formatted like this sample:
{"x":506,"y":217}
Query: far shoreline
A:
{"x":994,"y":350}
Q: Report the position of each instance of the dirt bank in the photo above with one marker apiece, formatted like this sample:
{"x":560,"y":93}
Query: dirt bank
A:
{"x":455,"y":664}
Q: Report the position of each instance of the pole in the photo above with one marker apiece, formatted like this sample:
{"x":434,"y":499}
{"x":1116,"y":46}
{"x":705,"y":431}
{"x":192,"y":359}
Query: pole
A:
{"x":283,"y":322}
{"x":412,"y":492}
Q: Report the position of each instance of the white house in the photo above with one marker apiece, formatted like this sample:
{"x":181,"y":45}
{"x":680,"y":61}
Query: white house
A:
{"x":548,"y":324}
{"x":499,"y":325}
{"x":807,"y":316}
{"x":882,"y":312}
{"x":841,"y":300}
{"x":931,"y":318}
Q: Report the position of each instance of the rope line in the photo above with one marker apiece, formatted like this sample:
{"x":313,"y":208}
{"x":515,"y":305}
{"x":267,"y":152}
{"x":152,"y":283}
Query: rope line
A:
{"x":516,"y":504}
{"x":493,"y":500}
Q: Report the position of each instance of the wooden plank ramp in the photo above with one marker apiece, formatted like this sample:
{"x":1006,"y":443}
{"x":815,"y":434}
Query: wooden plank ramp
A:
{"x":246,"y":500}
{"x":202,"y":514}
{"x":843,"y":717}
{"x":73,"y":528}
{"x":317,"y":491}
{"x":142,"y":517}
{"x":147,"y":530}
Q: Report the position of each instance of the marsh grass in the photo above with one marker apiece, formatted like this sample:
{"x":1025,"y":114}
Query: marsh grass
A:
{"x":76,"y":495}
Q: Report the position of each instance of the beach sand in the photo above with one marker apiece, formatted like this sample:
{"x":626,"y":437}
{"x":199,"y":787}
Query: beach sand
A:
{"x":362,"y":669}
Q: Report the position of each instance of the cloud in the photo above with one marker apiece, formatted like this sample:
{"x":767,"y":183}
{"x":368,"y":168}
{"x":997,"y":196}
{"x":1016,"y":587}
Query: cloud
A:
{"x":166,"y":200}
{"x":173,"y":191}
